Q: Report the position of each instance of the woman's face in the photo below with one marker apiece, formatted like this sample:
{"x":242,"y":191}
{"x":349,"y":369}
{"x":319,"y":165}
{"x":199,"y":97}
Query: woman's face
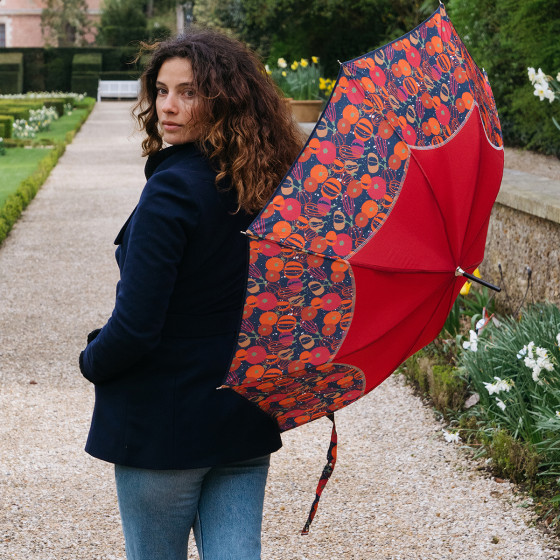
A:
{"x":176,"y":101}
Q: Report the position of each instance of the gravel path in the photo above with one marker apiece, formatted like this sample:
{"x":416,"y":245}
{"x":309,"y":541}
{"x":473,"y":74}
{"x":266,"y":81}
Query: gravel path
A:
{"x":399,"y":490}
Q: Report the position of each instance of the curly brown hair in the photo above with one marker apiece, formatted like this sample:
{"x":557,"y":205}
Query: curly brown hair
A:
{"x":248,"y":132}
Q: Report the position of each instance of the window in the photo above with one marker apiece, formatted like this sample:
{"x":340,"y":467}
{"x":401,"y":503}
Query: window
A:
{"x":2,"y":34}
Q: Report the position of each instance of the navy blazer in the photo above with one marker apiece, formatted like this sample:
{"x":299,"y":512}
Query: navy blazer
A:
{"x":158,"y":361}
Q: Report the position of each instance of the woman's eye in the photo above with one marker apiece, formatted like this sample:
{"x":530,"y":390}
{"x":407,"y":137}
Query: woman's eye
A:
{"x":189,"y":93}
{"x":161,"y":91}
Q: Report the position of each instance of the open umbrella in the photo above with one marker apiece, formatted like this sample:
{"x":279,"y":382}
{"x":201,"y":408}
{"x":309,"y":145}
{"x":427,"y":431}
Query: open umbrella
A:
{"x":359,"y":255}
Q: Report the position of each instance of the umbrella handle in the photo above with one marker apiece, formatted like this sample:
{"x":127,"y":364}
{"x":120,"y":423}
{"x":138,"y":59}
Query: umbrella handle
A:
{"x":460,"y":272}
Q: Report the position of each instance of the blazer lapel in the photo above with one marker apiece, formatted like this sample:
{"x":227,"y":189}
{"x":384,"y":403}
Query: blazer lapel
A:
{"x":120,"y":235}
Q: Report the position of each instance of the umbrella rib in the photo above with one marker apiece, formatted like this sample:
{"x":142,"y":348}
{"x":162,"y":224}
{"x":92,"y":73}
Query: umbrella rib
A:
{"x":356,"y":264}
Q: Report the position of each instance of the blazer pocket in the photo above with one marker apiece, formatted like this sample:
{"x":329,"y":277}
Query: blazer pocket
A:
{"x":120,"y":235}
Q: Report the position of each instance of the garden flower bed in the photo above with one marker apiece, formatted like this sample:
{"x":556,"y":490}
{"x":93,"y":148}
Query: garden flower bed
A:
{"x":496,"y":381}
{"x":37,"y":128}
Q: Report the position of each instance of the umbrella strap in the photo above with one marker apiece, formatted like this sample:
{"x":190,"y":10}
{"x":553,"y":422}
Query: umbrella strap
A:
{"x":326,"y":474}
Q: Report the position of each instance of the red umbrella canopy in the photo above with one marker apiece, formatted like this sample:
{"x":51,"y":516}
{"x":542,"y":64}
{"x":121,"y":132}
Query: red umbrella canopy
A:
{"x":354,"y":258}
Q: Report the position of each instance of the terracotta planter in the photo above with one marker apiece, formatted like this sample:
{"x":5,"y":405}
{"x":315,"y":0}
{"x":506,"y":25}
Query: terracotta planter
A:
{"x":306,"y":110}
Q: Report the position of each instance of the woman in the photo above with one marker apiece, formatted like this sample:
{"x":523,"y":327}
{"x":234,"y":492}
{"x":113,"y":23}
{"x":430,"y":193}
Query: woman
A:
{"x":188,"y":455}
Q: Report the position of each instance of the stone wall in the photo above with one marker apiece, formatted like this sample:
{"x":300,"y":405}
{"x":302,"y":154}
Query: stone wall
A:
{"x":524,"y":233}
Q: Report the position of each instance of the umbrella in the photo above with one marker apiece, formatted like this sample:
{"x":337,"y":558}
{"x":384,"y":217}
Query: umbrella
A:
{"x":357,"y":258}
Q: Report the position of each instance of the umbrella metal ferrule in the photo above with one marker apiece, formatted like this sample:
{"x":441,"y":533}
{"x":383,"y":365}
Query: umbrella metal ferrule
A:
{"x":460,"y":272}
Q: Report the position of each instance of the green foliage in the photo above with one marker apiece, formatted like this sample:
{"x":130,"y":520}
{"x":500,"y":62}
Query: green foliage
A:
{"x":506,"y":37}
{"x":329,"y":30}
{"x":514,"y":374}
{"x":64,"y":23}
{"x":524,"y":377}
{"x":122,"y":21}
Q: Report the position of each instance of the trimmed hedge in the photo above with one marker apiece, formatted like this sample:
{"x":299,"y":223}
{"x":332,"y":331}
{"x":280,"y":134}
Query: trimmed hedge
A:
{"x":86,"y":68}
{"x":86,"y":63}
{"x":17,"y":112}
{"x":50,"y":69}
{"x":6,"y":125}
{"x":11,"y":72}
{"x":119,"y":75}
{"x":17,"y":202}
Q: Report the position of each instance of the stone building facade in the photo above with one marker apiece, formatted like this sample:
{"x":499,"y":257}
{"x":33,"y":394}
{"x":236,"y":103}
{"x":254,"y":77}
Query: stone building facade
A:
{"x":20,"y":22}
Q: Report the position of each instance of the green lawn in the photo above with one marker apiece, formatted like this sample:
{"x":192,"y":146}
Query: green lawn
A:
{"x":19,"y":163}
{"x":15,"y":166}
{"x":64,"y":124}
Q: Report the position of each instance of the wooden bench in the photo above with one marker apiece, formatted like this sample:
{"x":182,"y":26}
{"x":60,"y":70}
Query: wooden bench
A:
{"x":118,"y":89}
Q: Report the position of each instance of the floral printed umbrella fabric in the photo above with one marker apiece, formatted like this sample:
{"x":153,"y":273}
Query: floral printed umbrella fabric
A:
{"x":354,"y":258}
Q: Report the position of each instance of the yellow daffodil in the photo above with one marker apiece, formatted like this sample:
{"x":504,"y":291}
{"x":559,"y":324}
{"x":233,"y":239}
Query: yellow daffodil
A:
{"x":315,"y":59}
{"x":284,"y":73}
{"x":304,"y":63}
{"x":467,"y":285}
{"x":294,"y":65}
{"x":466,"y":288}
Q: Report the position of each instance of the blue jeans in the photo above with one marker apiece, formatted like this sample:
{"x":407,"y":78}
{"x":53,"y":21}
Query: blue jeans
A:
{"x":223,"y":505}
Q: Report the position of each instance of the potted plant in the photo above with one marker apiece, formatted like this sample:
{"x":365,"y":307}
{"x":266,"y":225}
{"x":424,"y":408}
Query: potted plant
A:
{"x":301,"y":82}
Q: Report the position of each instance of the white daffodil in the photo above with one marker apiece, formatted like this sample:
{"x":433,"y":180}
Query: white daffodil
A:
{"x":282,"y":63}
{"x":532,"y":74}
{"x":558,"y":339}
{"x":499,"y":386}
{"x":558,"y":413}
{"x":451,"y":437}
{"x":472,"y":343}
{"x":536,"y":358}
{"x":540,"y":92}
{"x":500,"y":403}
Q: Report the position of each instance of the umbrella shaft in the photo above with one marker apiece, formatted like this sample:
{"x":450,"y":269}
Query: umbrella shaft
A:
{"x":473,"y":278}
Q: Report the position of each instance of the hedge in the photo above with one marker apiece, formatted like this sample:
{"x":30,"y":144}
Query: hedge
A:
{"x":17,"y":202}
{"x":11,"y":72}
{"x":50,"y":69}
{"x":86,"y":68}
{"x":6,"y":124}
